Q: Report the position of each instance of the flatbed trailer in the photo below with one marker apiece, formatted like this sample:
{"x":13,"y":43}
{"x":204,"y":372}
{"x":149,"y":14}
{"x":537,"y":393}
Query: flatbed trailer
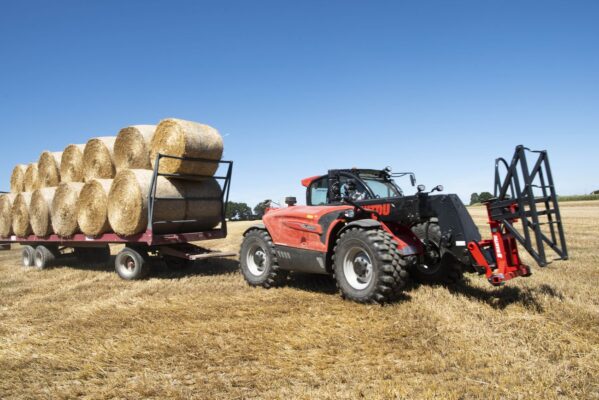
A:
{"x":132,"y":262}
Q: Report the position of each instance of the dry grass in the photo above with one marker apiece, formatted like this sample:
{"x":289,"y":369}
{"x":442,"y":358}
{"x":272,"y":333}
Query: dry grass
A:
{"x":82,"y":332}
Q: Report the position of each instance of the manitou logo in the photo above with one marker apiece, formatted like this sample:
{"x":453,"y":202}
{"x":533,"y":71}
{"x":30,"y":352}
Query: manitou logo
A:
{"x":381,"y":209}
{"x":498,"y":252}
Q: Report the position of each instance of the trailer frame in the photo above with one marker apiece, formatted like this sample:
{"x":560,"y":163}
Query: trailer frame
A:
{"x":171,"y":246}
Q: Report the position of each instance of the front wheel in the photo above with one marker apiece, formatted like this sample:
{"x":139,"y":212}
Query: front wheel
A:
{"x":258,"y":260}
{"x":368,"y":267}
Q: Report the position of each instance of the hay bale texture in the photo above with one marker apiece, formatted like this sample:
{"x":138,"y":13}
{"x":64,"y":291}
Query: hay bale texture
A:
{"x":20,"y":214}
{"x":31,"y":180}
{"x":186,"y":139}
{"x":49,"y":169}
{"x":6,"y":201}
{"x":17,"y":178}
{"x":132,"y":147}
{"x":40,"y":211}
{"x":128,"y":203}
{"x":92,"y":207}
{"x":98,"y":158}
{"x":71,"y":163}
{"x":64,"y":209}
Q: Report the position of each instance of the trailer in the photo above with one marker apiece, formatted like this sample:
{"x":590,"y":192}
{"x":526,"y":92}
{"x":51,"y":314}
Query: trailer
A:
{"x":132,"y":262}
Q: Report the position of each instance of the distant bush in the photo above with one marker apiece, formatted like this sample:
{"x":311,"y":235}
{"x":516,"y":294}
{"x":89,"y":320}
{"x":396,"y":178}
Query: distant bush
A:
{"x":579,"y":197}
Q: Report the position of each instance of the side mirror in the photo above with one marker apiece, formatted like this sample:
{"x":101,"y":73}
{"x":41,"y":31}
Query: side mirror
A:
{"x":438,"y":188}
{"x":413,"y":179}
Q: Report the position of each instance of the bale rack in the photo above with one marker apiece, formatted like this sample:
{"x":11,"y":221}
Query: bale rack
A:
{"x":132,"y":262}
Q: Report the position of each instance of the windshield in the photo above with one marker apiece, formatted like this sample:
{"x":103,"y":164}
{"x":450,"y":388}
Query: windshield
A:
{"x":381,"y":188}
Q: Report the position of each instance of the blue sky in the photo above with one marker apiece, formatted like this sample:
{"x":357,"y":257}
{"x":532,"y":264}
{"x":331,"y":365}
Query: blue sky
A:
{"x":437,"y":87}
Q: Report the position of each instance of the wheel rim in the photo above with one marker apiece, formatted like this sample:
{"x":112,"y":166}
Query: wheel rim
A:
{"x":357,"y":268}
{"x":39,"y":262}
{"x":26,"y":259}
{"x":127,"y":265}
{"x":432,"y":259}
{"x":256,"y":260}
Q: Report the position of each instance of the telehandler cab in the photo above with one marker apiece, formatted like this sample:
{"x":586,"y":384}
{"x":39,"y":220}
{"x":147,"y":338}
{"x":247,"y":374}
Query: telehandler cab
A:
{"x":359,"y":226}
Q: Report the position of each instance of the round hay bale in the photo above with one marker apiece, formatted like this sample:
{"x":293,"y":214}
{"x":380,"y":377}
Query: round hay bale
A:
{"x":128,"y":203}
{"x":132,"y":147}
{"x":98,"y":159}
{"x":39,"y":211}
{"x":31,"y":180}
{"x":71,"y":163}
{"x":186,"y":139}
{"x":64,"y":209}
{"x":17,"y":178}
{"x":48,"y":167}
{"x":20,"y":214}
{"x":92,"y":215}
{"x":6,"y":201}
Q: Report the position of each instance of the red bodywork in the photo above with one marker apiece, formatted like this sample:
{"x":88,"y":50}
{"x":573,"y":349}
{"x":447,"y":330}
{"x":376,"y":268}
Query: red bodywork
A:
{"x":503,"y":245}
{"x":302,"y":227}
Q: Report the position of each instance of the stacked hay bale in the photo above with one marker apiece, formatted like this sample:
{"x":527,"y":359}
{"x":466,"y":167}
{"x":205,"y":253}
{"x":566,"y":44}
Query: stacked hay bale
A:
{"x":49,"y":169}
{"x":40,"y":211}
{"x":17,"y":178}
{"x":92,"y":207}
{"x":73,"y":191}
{"x":31,"y":180}
{"x":6,"y":201}
{"x":98,"y":158}
{"x":132,"y":147}
{"x":71,"y":163}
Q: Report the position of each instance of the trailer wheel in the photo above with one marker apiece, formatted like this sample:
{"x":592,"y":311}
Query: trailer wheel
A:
{"x":367,"y":266}
{"x":43,"y":256}
{"x":28,"y":256}
{"x":258,"y":260}
{"x":434,"y":269}
{"x":131,"y":264}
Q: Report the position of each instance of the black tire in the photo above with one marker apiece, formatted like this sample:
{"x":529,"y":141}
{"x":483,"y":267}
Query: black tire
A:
{"x":92,"y":255}
{"x":434,"y":268}
{"x":132,"y":264}
{"x":43,"y":257}
{"x":368,"y":267}
{"x":258,"y":260}
{"x":28,"y":256}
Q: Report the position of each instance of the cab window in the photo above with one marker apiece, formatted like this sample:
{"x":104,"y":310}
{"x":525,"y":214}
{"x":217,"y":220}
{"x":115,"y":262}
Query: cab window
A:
{"x":318,"y":192}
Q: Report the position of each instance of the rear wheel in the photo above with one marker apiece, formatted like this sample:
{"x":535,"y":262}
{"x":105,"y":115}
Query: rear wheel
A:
{"x":43,"y":256}
{"x":132,"y":264}
{"x":28,"y":256}
{"x":368,"y":267}
{"x":434,"y":267}
{"x":258,"y":260}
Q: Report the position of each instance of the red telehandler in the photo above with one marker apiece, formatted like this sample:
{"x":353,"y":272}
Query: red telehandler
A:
{"x":359,"y":226}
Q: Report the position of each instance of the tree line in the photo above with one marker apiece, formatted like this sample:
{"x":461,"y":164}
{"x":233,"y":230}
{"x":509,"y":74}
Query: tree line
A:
{"x":239,"y":211}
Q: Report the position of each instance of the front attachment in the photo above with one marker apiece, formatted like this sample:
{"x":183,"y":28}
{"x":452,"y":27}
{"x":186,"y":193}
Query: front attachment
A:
{"x":524,"y":210}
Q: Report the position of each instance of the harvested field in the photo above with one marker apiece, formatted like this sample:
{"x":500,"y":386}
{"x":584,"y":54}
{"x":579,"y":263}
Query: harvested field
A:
{"x":74,"y":331}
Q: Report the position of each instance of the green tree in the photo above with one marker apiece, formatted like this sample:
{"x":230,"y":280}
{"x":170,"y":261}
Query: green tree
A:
{"x":261,"y":207}
{"x":484,"y":196}
{"x":474,"y":198}
{"x":238,"y":211}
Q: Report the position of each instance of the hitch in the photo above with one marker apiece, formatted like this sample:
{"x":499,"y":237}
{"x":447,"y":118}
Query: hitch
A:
{"x":526,"y":197}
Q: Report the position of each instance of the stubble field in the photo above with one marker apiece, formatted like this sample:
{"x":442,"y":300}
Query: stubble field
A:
{"x":74,"y":331}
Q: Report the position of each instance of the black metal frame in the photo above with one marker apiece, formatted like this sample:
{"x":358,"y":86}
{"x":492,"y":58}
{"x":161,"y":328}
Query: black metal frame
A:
{"x":224,"y":198}
{"x":515,"y":200}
